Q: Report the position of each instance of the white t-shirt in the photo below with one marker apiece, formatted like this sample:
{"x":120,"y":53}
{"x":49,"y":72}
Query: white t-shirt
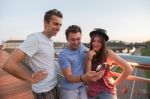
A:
{"x":40,"y":51}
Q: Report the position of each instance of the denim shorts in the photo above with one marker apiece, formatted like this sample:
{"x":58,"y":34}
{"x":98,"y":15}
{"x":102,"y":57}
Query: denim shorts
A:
{"x":79,"y":93}
{"x":104,"y":95}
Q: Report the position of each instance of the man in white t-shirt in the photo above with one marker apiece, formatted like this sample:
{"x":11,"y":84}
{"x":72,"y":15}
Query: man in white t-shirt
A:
{"x":39,"y":50}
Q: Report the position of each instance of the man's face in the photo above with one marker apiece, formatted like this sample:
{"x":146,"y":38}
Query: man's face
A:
{"x":74,"y":40}
{"x":53,"y":26}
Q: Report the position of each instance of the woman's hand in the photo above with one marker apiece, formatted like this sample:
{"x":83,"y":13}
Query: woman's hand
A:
{"x":101,"y":73}
{"x":91,"y":53}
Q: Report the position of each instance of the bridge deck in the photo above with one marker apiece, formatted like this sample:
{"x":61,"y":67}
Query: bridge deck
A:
{"x":13,"y":88}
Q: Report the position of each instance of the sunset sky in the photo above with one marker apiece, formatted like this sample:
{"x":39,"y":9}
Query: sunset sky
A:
{"x":126,"y":20}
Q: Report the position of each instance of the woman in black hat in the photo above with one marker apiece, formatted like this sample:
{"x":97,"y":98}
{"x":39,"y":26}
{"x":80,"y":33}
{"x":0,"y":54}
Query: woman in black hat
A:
{"x":99,"y":59}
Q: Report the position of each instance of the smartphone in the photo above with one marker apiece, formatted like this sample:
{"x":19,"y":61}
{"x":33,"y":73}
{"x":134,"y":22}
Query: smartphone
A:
{"x":101,"y":67}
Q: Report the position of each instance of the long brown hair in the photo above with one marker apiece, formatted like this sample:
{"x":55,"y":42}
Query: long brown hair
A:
{"x":101,"y":55}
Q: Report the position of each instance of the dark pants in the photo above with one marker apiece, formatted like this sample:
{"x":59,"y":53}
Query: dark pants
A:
{"x":52,"y":94}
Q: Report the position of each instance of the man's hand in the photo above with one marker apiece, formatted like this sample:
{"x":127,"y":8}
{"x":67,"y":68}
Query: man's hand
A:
{"x":92,"y":76}
{"x":38,"y":76}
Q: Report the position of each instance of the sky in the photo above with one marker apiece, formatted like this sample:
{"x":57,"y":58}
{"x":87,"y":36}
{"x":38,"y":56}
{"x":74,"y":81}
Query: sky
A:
{"x":126,"y":20}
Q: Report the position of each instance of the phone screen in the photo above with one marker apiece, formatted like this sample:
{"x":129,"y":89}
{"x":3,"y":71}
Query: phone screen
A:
{"x":101,"y":67}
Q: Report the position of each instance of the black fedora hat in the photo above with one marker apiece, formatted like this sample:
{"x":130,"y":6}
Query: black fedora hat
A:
{"x":100,"y":32}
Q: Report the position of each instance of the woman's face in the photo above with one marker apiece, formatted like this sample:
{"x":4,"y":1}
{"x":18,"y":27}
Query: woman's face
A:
{"x":97,"y":43}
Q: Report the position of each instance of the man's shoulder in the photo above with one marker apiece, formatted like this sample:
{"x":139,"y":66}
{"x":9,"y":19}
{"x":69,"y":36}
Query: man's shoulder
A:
{"x":83,"y":48}
{"x":63,"y":51}
{"x":34,"y":34}
{"x":31,"y":39}
{"x":38,"y":37}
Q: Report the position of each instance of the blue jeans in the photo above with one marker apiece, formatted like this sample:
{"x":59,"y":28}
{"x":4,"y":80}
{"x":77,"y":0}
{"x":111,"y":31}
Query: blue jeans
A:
{"x":79,"y":93}
{"x":104,"y":95}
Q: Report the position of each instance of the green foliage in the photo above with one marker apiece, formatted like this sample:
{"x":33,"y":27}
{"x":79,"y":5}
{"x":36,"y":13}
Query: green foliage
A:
{"x":145,"y":52}
{"x":147,"y":74}
{"x":118,"y":70}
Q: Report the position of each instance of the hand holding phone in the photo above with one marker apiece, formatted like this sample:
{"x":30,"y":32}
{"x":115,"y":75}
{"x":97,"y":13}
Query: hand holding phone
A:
{"x":101,"y":67}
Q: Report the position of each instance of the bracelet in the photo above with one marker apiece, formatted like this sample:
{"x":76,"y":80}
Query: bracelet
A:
{"x":81,"y":79}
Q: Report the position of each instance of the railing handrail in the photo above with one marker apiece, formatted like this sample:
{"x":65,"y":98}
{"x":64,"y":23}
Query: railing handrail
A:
{"x":131,"y":77}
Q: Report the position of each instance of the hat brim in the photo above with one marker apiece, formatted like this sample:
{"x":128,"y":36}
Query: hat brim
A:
{"x":100,"y":33}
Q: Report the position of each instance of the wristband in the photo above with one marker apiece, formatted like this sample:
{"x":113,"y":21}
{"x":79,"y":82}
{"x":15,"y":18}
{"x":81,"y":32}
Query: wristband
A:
{"x":81,"y":79}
